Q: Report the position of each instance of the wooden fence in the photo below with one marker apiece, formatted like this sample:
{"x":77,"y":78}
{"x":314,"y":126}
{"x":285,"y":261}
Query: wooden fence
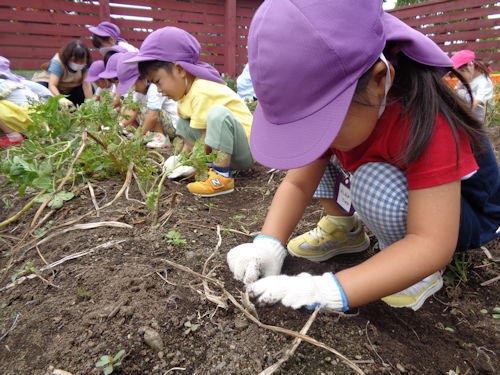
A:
{"x":31,"y":31}
{"x":458,"y":24}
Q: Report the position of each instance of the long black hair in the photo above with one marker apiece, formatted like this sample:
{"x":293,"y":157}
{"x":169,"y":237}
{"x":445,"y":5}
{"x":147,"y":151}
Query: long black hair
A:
{"x":423,"y":95}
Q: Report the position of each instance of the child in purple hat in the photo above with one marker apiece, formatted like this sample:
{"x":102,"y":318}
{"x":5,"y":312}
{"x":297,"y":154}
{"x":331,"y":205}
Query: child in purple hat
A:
{"x":208,"y":109}
{"x":96,"y":68}
{"x":475,"y":73}
{"x":106,"y":35}
{"x":417,"y":166}
{"x":157,"y":115}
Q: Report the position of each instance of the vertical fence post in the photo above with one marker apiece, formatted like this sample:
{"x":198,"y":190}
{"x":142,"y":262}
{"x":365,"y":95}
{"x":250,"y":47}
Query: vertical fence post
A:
{"x":230,"y":38}
{"x":104,"y":11}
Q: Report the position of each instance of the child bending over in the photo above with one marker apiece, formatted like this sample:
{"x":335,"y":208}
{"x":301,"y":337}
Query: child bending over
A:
{"x":424,"y":178}
{"x":208,"y":109}
{"x":476,"y":74}
{"x":158,"y":114}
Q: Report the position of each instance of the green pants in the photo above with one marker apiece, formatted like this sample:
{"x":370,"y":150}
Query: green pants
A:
{"x":224,"y":133}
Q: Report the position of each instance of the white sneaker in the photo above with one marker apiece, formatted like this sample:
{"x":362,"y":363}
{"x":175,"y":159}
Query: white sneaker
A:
{"x":415,"y":295}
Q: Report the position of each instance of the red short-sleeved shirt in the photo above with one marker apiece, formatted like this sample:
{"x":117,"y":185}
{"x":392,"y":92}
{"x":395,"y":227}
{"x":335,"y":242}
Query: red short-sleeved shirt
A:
{"x":435,"y":166}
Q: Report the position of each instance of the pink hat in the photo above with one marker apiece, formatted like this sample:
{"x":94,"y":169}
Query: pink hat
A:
{"x":175,"y":45}
{"x":462,"y":57}
{"x":111,"y":67}
{"x":127,"y":74}
{"x":96,"y":68}
{"x":305,"y":80}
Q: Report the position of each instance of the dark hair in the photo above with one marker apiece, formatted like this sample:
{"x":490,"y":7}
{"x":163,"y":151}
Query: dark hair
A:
{"x":76,"y":49}
{"x":97,"y":40}
{"x":107,"y":56}
{"x":423,"y":95}
{"x":146,"y":67}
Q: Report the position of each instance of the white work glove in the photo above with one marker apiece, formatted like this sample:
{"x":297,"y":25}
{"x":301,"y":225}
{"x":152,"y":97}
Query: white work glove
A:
{"x":301,"y":290}
{"x":65,"y":103}
{"x":180,"y":171}
{"x":263,"y":257}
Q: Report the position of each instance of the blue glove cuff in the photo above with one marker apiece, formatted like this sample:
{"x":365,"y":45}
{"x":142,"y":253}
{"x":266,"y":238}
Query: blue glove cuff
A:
{"x":342,"y":294}
{"x":271,"y":238}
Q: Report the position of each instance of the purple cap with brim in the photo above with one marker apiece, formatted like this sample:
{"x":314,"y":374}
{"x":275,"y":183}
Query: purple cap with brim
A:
{"x":305,"y":80}
{"x":175,"y":45}
{"x":127,"y":73}
{"x":106,"y":29}
{"x":414,"y":44}
{"x":96,"y":68}
{"x":111,"y":67}
{"x":5,"y":70}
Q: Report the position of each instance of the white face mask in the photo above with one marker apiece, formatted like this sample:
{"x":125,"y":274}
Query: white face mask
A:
{"x":387,"y":85}
{"x":76,"y":67}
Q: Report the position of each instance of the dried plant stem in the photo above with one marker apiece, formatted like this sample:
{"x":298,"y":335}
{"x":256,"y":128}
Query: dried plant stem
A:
{"x":42,"y":207}
{"x":285,"y":331}
{"x":92,"y":195}
{"x":295,"y":344}
{"x":20,"y":213}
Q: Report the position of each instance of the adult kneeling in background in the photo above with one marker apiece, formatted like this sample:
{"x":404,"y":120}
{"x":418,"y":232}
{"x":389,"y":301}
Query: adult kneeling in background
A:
{"x":66,"y":74}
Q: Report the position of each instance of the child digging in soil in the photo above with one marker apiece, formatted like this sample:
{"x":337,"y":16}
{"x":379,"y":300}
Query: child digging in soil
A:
{"x":476,"y":74}
{"x":208,"y":109}
{"x":96,"y":68}
{"x":371,"y":92}
{"x":158,"y":114}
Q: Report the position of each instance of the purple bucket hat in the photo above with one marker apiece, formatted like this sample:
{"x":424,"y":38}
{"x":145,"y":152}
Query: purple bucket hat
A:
{"x":96,"y":68}
{"x":414,"y":44}
{"x":107,"y":29}
{"x":5,"y":70}
{"x":111,"y":67}
{"x":127,"y":74}
{"x":305,"y":80}
{"x":175,"y":45}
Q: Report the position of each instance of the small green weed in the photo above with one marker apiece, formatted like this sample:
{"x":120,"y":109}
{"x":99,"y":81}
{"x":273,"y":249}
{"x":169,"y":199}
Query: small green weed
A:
{"x":174,"y":238}
{"x":28,"y":268}
{"x":108,"y":362}
{"x":190,"y":327}
{"x":40,"y":232}
{"x":457,"y":269}
{"x":83,"y":293}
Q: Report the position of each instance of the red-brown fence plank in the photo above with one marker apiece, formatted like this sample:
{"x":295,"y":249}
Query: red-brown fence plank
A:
{"x":428,"y":7}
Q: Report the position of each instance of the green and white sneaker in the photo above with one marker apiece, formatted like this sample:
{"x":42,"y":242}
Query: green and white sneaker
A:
{"x":415,"y":296}
{"x":330,"y":238}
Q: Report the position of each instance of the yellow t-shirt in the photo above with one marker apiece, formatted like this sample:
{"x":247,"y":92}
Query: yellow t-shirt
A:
{"x":204,"y":94}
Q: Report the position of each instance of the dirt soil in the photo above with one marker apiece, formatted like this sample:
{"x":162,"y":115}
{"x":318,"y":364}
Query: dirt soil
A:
{"x":122,"y":294}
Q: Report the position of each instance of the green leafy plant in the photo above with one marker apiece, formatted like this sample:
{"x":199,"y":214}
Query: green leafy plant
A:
{"x":27,"y":269}
{"x":190,"y":327}
{"x":108,"y":362}
{"x":174,"y":238}
{"x":83,"y":293}
{"x":40,"y":232}
{"x":457,"y":269}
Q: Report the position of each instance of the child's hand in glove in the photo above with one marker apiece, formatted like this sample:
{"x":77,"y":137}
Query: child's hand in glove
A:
{"x":303,"y":290}
{"x":263,"y":257}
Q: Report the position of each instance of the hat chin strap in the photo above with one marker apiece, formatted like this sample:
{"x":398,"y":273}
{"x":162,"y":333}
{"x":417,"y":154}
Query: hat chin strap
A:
{"x":387,"y":85}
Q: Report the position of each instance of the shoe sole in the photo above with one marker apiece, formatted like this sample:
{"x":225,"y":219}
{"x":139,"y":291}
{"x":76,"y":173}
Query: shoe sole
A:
{"x":212,"y":195}
{"x":332,"y":253}
{"x":433,"y":288}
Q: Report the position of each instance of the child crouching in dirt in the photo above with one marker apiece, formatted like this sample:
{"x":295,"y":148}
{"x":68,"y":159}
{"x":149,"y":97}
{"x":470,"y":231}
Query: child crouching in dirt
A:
{"x":208,"y":109}
{"x":476,"y":75}
{"x":96,"y":68}
{"x":158,"y":114}
{"x":424,"y":177}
